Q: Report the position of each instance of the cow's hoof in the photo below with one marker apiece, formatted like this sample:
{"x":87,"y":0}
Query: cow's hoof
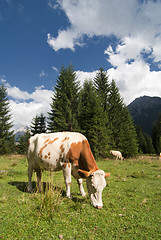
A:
{"x":83,"y":195}
{"x":98,"y":207}
{"x":70,"y":197}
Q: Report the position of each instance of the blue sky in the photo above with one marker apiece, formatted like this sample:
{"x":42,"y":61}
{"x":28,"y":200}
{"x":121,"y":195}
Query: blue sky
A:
{"x":37,"y":37}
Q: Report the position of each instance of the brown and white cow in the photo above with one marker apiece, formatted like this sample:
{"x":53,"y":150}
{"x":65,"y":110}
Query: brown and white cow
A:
{"x":70,"y":152}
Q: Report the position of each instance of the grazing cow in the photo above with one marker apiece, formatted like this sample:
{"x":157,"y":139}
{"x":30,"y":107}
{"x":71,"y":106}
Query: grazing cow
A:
{"x":70,"y":152}
{"x":117,"y":154}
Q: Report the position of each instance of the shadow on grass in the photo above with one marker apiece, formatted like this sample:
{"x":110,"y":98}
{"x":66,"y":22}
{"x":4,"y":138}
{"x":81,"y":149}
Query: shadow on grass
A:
{"x":22,"y":186}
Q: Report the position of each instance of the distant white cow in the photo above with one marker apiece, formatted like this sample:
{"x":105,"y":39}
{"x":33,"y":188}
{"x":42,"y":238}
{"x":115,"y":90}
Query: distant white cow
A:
{"x":117,"y":154}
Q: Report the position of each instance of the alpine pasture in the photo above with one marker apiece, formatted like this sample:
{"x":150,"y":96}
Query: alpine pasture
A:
{"x":131,"y":210}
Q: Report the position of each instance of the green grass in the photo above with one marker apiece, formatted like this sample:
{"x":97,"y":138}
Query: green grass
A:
{"x":132,"y":203}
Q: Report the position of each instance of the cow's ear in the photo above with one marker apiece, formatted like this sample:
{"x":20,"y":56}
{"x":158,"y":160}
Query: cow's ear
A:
{"x":107,"y":174}
{"x":83,"y":173}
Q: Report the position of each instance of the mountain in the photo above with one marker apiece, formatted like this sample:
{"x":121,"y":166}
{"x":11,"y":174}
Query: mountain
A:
{"x":144,"y":111}
{"x":20,"y":132}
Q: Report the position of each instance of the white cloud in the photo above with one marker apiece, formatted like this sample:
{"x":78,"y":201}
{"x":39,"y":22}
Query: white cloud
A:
{"x":135,"y":80}
{"x":33,"y":103}
{"x":82,"y":76}
{"x":103,"y":18}
{"x":3,"y":79}
{"x":131,"y":73}
{"x":43,"y":74}
{"x":65,"y":39}
{"x":16,"y":93}
{"x":135,"y":23}
{"x":55,"y":69}
{"x":52,"y":4}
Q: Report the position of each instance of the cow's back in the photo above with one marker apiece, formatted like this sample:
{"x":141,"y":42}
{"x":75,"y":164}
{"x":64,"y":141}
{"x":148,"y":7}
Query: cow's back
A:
{"x":50,"y":150}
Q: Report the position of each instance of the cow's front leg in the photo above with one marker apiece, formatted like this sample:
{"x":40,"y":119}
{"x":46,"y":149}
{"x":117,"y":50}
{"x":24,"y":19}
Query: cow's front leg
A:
{"x":30,"y":171}
{"x":80,"y":183}
{"x":67,"y":177}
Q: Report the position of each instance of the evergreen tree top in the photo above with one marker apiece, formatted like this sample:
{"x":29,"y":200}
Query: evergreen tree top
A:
{"x":6,"y":132}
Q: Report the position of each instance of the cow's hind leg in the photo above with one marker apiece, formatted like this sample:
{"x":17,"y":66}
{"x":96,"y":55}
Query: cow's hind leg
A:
{"x":30,"y":171}
{"x":81,"y":189}
{"x":67,"y":177}
{"x":39,"y":174}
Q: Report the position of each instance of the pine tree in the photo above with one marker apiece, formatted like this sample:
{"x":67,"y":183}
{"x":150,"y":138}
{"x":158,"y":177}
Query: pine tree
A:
{"x":6,"y":134}
{"x":123,"y":135}
{"x":38,"y":124}
{"x":115,"y":114}
{"x":91,"y":119}
{"x":128,"y":138}
{"x":102,"y":86}
{"x":64,"y":107}
{"x":35,"y":125}
{"x":156,"y":135}
{"x":22,"y":146}
{"x":141,"y":140}
{"x":42,"y":123}
{"x":150,"y":148}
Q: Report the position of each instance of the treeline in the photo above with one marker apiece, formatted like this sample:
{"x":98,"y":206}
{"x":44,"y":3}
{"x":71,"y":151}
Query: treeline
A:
{"x":95,"y":109}
{"x":149,"y":144}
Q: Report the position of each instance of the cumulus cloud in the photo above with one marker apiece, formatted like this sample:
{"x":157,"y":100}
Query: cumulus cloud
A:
{"x":82,"y":76}
{"x":135,"y":80}
{"x":131,"y":72}
{"x":135,"y":23}
{"x":16,"y":93}
{"x":24,"y":106}
{"x":103,"y":18}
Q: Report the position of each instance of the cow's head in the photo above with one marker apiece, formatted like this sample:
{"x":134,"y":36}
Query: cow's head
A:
{"x":95,"y":184}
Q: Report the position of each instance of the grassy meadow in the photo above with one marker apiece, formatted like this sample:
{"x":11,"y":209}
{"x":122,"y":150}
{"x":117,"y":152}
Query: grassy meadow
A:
{"x":132,"y":203}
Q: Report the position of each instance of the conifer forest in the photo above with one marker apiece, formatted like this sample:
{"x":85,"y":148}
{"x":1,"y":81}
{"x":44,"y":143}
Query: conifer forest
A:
{"x":95,"y":109}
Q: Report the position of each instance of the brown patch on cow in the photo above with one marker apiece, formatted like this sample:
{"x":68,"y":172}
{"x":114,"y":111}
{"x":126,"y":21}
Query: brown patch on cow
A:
{"x":49,"y":153}
{"x":51,"y":141}
{"x":28,"y":141}
{"x":85,"y":173}
{"x":46,"y":157}
{"x":64,"y":165}
{"x":81,"y":155}
{"x":68,"y":165}
{"x":74,"y":152}
{"x":48,"y":141}
{"x":66,"y":138}
{"x":62,"y":149}
{"x":107,"y":175}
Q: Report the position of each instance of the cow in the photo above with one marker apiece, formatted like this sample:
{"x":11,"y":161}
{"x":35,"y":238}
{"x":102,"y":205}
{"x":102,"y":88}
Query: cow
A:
{"x":70,"y":152}
{"x":117,"y":154}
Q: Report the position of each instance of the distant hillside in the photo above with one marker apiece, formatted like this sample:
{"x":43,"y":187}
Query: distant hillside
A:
{"x":20,"y":132}
{"x":144,"y":111}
